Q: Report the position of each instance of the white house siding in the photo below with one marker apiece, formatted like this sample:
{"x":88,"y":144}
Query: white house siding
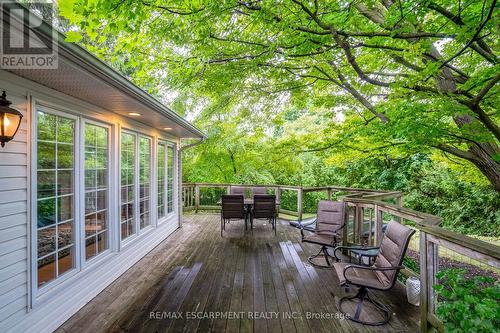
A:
{"x":20,"y":311}
{"x":14,"y":216}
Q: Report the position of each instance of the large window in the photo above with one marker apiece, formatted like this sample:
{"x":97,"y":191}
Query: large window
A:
{"x":144,"y":181}
{"x":55,"y":196}
{"x":127,"y":165}
{"x":96,"y":190}
{"x":73,"y":201}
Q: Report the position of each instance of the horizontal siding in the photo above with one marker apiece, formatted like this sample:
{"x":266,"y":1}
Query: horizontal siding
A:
{"x":8,"y":184}
{"x":10,"y":221}
{"x":13,"y":216}
{"x":13,"y":196}
{"x":10,"y":259}
{"x":13,"y":282}
{"x":14,"y":159}
{"x":12,"y":270}
{"x":8,"y":171}
{"x":13,"y":208}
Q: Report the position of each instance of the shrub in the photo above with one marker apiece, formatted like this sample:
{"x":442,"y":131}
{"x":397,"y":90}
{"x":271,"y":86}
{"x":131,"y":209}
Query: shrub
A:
{"x":468,"y":305}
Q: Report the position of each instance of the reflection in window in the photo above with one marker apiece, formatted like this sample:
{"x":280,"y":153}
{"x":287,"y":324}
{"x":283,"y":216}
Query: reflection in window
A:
{"x":55,"y":196}
{"x":127,"y":170}
{"x":96,"y":190}
{"x":170,"y":182}
{"x":144,"y":181}
{"x":161,"y":179}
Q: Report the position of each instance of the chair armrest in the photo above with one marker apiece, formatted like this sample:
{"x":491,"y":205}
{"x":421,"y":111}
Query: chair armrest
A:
{"x":353,"y":248}
{"x":371,"y":268}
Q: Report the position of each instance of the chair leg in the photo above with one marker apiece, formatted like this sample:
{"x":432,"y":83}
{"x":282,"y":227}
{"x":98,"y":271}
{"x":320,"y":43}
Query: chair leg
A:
{"x":363,"y":297}
{"x":275,"y":231}
{"x":323,"y":251}
{"x":221,"y":226}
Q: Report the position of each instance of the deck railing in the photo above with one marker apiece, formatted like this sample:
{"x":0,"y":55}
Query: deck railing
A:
{"x":368,"y":211}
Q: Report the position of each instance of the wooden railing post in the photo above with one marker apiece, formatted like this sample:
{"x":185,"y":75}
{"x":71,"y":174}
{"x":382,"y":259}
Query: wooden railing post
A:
{"x":277,"y":193}
{"x":299,"y":203}
{"x":196,"y":198}
{"x":329,"y":193}
{"x":428,"y":270}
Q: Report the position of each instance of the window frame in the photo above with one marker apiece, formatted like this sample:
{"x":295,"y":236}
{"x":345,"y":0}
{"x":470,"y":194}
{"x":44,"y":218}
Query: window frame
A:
{"x":138,"y":232}
{"x":39,"y":291}
{"x":111,"y":191}
{"x":167,"y":144}
{"x":152,"y":182}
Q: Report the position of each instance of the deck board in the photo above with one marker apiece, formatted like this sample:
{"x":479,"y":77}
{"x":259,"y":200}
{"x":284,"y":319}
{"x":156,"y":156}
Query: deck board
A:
{"x":196,"y":270}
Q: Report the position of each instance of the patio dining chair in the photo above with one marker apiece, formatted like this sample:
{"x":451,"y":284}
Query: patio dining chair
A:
{"x":264,"y":207}
{"x":237,"y":190}
{"x":233,"y":207}
{"x":330,"y":220}
{"x":380,"y":276}
{"x":259,"y":191}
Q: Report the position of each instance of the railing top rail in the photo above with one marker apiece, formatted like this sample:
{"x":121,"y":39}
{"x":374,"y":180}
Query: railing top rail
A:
{"x":305,"y":189}
{"x":470,"y":243}
{"x":406,"y":213}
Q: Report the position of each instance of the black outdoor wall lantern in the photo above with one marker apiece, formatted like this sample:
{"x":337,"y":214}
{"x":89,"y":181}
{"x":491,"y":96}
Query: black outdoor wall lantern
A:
{"x":10,"y":119}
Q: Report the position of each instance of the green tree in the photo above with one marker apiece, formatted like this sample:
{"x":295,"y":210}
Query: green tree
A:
{"x":416,"y":75}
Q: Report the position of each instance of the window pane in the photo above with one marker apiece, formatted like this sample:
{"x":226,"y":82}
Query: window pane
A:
{"x":65,"y":208}
{"x":65,"y":231}
{"x":46,"y":155}
{"x":46,"y":212}
{"x":64,"y":156}
{"x":55,"y":203}
{"x":96,"y":188}
{"x":65,"y":260}
{"x":127,"y":182}
{"x":46,"y":241}
{"x":46,"y":126}
{"x":144,"y":181}
{"x":46,"y":186}
{"x":46,"y":269}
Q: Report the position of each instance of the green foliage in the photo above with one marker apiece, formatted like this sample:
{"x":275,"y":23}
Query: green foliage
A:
{"x":282,"y":103}
{"x":270,"y":63}
{"x":468,"y":305}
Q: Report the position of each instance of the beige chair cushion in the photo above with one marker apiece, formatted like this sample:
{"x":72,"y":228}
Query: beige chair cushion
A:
{"x":320,"y":239}
{"x":331,"y":217}
{"x":360,"y":276}
{"x":392,"y":249}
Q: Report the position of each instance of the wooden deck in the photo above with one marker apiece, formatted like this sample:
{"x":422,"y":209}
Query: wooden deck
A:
{"x":243,"y":282}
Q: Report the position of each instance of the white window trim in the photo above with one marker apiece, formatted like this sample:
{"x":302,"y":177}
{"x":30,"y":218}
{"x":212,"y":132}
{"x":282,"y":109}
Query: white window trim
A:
{"x":168,"y":215}
{"x":138,"y":231}
{"x":111,"y":194}
{"x":36,"y":291}
{"x":39,"y":295}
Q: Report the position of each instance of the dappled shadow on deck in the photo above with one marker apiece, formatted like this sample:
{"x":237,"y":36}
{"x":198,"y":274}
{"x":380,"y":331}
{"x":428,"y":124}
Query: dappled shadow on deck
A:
{"x":250,"y":281}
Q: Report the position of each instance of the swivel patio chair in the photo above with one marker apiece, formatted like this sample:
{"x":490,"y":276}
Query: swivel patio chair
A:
{"x":330,"y":220}
{"x":233,"y":207}
{"x":380,"y":276}
{"x":264,"y":207}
